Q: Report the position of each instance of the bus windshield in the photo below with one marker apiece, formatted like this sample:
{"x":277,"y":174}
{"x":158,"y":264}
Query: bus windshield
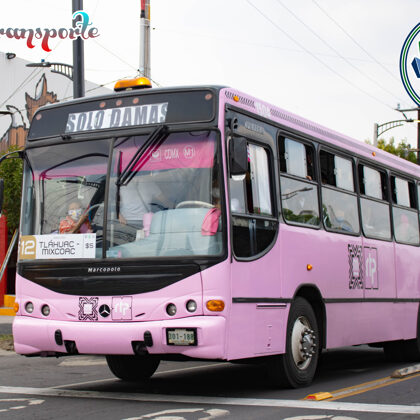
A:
{"x":163,"y":197}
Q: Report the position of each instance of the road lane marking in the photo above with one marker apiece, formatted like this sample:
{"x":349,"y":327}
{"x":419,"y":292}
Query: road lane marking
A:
{"x":367,"y":386}
{"x":29,"y":401}
{"x":200,"y":400}
{"x":156,"y":374}
{"x":213,"y":412}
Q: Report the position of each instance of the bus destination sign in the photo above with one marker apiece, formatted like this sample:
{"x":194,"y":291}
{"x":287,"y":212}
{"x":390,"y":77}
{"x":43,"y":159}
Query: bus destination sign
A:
{"x":34,"y":247}
{"x":120,"y":112}
{"x":117,"y":117}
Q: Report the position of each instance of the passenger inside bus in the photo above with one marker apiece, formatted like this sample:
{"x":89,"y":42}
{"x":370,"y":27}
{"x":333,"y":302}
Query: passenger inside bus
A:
{"x":138,"y":200}
{"x":75,"y":221}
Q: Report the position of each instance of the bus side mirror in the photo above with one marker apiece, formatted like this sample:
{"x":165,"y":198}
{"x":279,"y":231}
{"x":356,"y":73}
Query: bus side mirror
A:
{"x":238,"y":156}
{"x":1,"y":193}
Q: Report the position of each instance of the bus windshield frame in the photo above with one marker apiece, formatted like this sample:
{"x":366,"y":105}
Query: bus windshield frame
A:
{"x":201,"y":228}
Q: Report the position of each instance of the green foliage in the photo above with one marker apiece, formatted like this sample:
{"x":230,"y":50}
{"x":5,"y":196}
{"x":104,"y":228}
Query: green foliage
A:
{"x":401,"y":149}
{"x":11,"y":172}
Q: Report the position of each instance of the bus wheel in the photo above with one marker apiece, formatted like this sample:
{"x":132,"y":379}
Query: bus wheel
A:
{"x":133,"y":368}
{"x":296,"y":368}
{"x":412,"y":348}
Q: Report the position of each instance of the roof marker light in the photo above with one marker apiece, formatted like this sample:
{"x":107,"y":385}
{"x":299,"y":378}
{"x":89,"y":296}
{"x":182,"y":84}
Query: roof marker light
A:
{"x":130,"y":84}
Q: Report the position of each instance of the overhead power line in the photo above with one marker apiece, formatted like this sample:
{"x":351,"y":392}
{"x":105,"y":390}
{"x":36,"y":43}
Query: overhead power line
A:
{"x":356,"y":42}
{"x":317,"y":58}
{"x":338,"y":52}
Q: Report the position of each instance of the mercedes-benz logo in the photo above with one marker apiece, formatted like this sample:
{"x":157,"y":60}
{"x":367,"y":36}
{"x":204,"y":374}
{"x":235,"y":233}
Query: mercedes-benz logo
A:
{"x":104,"y":311}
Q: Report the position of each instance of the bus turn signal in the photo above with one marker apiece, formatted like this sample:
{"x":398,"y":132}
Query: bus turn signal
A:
{"x":215,"y":305}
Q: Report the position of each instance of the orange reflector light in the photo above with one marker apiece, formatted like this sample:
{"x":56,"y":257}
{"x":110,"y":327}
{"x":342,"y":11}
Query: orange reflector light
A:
{"x":236,"y":98}
{"x":16,"y":307}
{"x":215,"y":305}
{"x":373,"y":153}
{"x":319,"y":396}
{"x":129,"y":84}
{"x":309,"y":267}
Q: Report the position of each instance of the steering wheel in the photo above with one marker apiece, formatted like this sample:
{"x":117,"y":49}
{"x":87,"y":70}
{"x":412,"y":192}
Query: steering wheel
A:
{"x":194,"y":203}
{"x":159,"y":207}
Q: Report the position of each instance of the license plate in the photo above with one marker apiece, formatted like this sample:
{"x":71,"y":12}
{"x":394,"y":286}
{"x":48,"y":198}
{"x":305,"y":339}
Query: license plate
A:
{"x":181,"y":336}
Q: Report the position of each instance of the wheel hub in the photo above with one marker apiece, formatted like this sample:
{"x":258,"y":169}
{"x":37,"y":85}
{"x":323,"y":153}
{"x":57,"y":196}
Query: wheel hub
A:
{"x":303,"y":343}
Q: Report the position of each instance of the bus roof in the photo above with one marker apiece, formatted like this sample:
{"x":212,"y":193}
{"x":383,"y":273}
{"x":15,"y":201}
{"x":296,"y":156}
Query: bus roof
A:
{"x":317,"y":131}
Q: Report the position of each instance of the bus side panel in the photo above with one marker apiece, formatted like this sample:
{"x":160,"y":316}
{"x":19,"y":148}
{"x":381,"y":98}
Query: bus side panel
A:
{"x":407,"y":271}
{"x":358,"y":327}
{"x":258,"y":318}
{"x":336,"y":266}
{"x":333,"y":258}
{"x":379,"y":271}
{"x":216,"y":285}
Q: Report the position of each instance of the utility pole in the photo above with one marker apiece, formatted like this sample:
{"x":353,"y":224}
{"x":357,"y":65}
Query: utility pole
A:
{"x":78,"y":57}
{"x":418,"y":137}
{"x":144,"y":68}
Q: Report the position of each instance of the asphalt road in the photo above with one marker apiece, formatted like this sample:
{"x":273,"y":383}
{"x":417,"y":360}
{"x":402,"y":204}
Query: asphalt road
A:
{"x":82,"y":387}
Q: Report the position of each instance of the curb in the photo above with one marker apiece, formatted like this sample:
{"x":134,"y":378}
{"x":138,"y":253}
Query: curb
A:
{"x":401,"y":373}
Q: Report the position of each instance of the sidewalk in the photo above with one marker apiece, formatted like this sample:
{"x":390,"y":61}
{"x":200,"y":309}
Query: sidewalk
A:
{"x":6,"y":324}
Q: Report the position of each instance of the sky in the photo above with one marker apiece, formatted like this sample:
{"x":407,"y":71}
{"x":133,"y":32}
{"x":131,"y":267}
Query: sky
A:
{"x":333,"y":62}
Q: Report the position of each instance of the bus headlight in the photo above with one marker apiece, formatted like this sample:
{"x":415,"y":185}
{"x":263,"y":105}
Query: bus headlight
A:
{"x":29,"y":307}
{"x":191,"y":306}
{"x":171,"y":309}
{"x":45,"y":310}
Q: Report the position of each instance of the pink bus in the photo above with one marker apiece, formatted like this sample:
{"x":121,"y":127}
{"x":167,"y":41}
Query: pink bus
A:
{"x":202,"y":223}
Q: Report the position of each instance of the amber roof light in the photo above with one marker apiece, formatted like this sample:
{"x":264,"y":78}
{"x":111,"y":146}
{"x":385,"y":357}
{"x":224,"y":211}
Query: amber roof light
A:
{"x":129,"y":84}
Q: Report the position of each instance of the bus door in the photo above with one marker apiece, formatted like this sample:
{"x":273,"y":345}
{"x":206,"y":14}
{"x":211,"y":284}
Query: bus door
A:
{"x":256,"y":314}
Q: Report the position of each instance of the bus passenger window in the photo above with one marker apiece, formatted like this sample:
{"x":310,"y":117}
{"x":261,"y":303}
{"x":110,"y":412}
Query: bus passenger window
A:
{"x":374,"y":203}
{"x":404,"y":211}
{"x":299,"y":198}
{"x":296,"y":158}
{"x":252,"y":195}
{"x":418,"y":196}
{"x":339,"y":204}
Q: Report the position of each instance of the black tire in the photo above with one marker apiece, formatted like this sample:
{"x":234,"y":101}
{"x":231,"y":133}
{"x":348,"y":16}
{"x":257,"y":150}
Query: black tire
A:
{"x":412,"y":350}
{"x":404,"y":350}
{"x":295,"y":370}
{"x":133,"y":368}
{"x":394,"y":351}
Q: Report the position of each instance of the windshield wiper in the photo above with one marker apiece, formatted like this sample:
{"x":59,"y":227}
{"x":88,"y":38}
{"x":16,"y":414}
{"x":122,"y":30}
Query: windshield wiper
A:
{"x":155,"y":139}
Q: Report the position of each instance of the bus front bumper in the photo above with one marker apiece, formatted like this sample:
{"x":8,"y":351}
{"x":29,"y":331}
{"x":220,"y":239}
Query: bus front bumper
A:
{"x":39,"y":337}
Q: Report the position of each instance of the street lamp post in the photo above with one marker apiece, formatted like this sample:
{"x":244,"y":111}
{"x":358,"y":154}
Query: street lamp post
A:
{"x":78,"y":57}
{"x":59,"y":68}
{"x":379,"y":129}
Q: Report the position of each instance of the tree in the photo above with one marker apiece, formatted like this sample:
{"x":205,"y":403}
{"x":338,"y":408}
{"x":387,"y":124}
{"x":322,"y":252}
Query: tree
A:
{"x":401,"y":150}
{"x":11,"y":171}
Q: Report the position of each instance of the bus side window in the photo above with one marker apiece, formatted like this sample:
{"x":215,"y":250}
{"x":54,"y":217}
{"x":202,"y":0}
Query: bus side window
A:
{"x":374,"y":203}
{"x":250,"y":196}
{"x":404,"y":211}
{"x":339,"y":200}
{"x":299,"y":192}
